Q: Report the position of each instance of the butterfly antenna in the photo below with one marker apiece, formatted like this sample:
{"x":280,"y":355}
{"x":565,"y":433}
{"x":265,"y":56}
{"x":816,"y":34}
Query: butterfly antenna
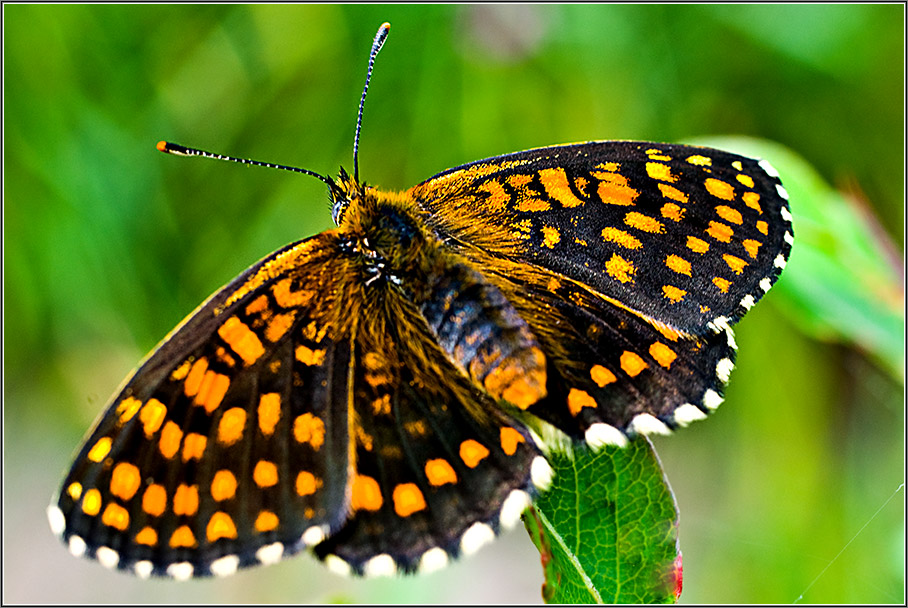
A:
{"x":377,"y":43}
{"x":178,"y":150}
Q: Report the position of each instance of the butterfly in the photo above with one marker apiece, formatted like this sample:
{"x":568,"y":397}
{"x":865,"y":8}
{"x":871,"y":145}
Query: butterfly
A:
{"x":375,"y":392}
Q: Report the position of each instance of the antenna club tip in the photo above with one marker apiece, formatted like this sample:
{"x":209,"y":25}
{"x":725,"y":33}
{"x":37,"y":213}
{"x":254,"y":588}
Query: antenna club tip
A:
{"x":385,"y":26}
{"x":161,"y":146}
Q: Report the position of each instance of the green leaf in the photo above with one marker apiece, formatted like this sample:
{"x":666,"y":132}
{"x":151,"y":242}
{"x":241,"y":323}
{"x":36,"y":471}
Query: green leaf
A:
{"x":843,"y":280}
{"x":607,"y":529}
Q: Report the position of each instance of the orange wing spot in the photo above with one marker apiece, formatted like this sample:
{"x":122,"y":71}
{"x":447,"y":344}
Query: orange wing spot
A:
{"x":169,"y":444}
{"x":632,"y":363}
{"x":194,"y":378}
{"x":531,"y":203}
{"x":279,"y":325}
{"x":382,"y":405}
{"x":225,"y":357}
{"x":125,"y":480}
{"x":655,"y":154}
{"x":620,"y":237}
{"x":194,"y":446}
{"x":74,"y":490}
{"x":269,"y":412}
{"x":745,"y":179}
{"x":99,"y":451}
{"x":154,"y":500}
{"x":673,"y":293}
{"x":181,"y":372}
{"x":306,"y":483}
{"x":220,"y":526}
{"x":182,"y":537}
{"x":91,"y":502}
{"x":308,"y":356}
{"x":519,"y":180}
{"x":610,"y":166}
{"x":752,"y":200}
{"x":722,"y":284}
{"x":287,"y":298}
{"x":522,"y":229}
{"x":672,"y":193}
{"x":186,"y":500}
{"x":116,"y":516}
{"x":365,"y":494}
{"x":752,"y":247}
{"x":223,"y":485}
{"x":720,"y":189}
{"x":266,"y":521}
{"x":211,"y":393}
{"x":677,"y":264}
{"x":578,"y":399}
{"x":312,"y":332}
{"x":308,"y":428}
{"x":260,"y":304}
{"x":439,"y":472}
{"x":737,"y":165}
{"x":644,"y":223}
{"x":417,"y":428}
{"x":377,"y":380}
{"x":265,"y":474}
{"x":697,"y":245}
{"x":472,"y":452}
{"x":660,"y":171}
{"x":700,"y":161}
{"x":152,"y":416}
{"x":720,"y":232}
{"x":551,"y":236}
{"x":373,"y":361}
{"x":556,"y":186}
{"x":128,"y":408}
{"x":613,"y":189}
{"x":147,"y":536}
{"x":242,"y":340}
{"x":498,"y":198}
{"x":581,"y":183}
{"x":602,"y":375}
{"x":729,"y":215}
{"x":735,"y":263}
{"x":620,"y":269}
{"x":663,"y":355}
{"x":231,"y":426}
{"x":672,"y":212}
{"x":763,"y":227}
{"x":510,"y":438}
{"x":408,"y":499}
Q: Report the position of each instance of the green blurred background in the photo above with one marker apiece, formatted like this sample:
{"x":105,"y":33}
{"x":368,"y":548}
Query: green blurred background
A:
{"x":108,"y":244}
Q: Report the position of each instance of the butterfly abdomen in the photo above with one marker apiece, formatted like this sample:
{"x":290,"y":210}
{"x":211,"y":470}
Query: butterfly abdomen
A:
{"x":472,"y":321}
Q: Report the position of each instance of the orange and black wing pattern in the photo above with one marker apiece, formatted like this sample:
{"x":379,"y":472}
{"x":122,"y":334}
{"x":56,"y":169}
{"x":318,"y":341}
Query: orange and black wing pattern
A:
{"x":630,"y":261}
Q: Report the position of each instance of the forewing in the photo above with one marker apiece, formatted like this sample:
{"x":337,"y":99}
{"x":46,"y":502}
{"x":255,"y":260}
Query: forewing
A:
{"x":690,"y":237}
{"x":229,"y":445}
